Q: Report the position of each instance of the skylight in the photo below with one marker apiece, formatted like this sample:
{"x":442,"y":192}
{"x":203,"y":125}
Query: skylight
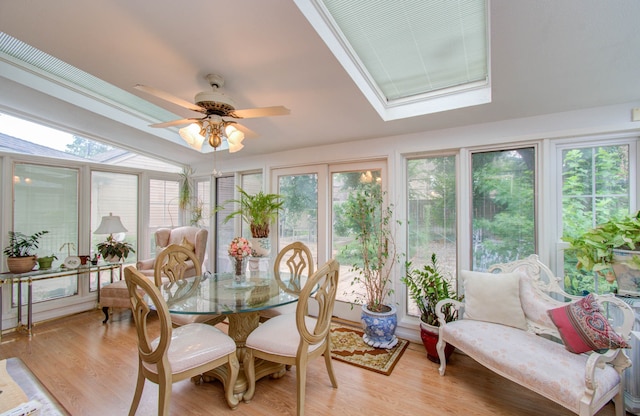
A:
{"x":409,"y":57}
{"x":28,"y":57}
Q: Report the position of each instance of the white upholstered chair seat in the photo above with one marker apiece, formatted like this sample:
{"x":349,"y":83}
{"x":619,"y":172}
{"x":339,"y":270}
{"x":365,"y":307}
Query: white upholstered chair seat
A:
{"x":549,"y":371}
{"x":194,"y":344}
{"x":280,"y":336}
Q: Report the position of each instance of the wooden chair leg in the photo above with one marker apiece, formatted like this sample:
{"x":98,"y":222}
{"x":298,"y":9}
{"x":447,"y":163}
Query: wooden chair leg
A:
{"x":105,"y":310}
{"x":301,"y":379}
{"x":138,"y":393}
{"x":329,"y":364}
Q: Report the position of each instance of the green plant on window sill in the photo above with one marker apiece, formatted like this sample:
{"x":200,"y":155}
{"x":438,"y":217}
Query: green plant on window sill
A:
{"x":113,"y":249}
{"x":594,"y":248}
{"x":21,"y":245}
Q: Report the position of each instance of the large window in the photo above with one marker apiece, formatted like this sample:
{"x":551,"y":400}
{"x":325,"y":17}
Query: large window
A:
{"x":595,"y":188}
{"x":117,"y":194}
{"x":431,"y":215}
{"x":46,"y":198}
{"x":299,"y":218}
{"x":503,"y":214}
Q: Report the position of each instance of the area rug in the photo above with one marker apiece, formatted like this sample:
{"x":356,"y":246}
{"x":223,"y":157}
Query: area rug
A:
{"x":347,"y":346}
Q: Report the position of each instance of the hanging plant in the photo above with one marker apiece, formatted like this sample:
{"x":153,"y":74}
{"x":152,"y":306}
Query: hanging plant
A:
{"x":184,"y":198}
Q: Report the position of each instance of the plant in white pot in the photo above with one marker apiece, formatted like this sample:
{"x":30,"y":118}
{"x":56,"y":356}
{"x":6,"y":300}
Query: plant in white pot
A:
{"x":427,"y":286}
{"x":20,"y":251}
{"x":258,"y":211}
{"x":375,"y":254}
{"x":112,"y":250}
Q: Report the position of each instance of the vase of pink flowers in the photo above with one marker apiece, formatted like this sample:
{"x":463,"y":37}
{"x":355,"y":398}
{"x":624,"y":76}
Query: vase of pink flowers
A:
{"x":239,"y":253}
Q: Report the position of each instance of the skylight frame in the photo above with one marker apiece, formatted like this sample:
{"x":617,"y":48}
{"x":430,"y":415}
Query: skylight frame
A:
{"x":469,"y":94}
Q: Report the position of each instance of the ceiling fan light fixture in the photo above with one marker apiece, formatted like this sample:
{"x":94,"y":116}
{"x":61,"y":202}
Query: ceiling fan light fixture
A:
{"x":193,"y":135}
{"x":233,"y":134}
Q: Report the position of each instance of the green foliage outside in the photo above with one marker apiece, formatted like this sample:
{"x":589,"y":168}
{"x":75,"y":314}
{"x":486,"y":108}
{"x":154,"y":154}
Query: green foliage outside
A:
{"x":603,"y":172}
{"x":86,"y":148}
{"x":503,"y":224}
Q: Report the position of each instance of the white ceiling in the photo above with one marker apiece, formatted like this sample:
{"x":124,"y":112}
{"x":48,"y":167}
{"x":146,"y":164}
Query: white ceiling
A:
{"x":546,"y":57}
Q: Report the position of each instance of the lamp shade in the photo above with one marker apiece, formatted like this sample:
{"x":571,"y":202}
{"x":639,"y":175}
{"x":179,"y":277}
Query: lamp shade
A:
{"x":192,"y":134}
{"x":110,"y":224}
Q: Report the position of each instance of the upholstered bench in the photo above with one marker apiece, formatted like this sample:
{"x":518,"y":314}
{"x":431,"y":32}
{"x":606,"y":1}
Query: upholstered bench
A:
{"x":520,"y":324}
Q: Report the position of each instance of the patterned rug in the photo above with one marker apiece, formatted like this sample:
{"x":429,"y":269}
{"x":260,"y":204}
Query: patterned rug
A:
{"x":347,"y":345}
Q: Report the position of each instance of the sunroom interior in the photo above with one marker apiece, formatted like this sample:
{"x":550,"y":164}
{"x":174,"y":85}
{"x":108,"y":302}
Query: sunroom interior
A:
{"x":479,"y":169}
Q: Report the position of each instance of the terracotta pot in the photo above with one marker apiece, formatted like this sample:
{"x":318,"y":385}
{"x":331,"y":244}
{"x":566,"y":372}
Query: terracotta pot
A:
{"x":18,"y":265}
{"x":430,"y":336}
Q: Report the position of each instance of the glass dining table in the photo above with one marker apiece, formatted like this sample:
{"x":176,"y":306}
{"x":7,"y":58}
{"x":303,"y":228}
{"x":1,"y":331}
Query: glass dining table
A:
{"x":241,"y":302}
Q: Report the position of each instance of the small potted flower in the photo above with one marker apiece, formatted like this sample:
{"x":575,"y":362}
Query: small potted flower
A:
{"x":239,"y":252}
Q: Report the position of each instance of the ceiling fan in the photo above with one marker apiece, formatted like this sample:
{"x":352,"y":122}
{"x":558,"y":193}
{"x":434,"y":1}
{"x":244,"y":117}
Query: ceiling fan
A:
{"x":217,"y":109}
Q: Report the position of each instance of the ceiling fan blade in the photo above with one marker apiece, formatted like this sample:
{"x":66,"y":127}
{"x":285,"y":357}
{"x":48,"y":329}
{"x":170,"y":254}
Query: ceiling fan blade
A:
{"x":171,"y":98}
{"x":247,"y":131}
{"x":277,"y":110}
{"x":174,"y":122}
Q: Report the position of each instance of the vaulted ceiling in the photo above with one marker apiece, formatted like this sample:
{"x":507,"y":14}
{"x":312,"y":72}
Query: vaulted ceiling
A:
{"x":546,"y":57}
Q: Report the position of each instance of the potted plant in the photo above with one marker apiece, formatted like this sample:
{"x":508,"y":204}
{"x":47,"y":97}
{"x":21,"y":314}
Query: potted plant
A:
{"x":428,"y":286}
{"x":598,"y":249}
{"x":44,"y":263}
{"x":259,"y":211}
{"x":112,"y":251}
{"x":19,"y":252}
{"x":371,"y":222}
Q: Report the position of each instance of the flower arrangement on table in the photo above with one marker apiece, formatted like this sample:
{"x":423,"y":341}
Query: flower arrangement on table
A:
{"x":239,"y":249}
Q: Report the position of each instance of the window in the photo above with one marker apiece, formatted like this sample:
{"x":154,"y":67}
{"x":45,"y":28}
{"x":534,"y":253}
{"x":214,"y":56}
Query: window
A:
{"x":117,"y":194}
{"x":595,"y":188}
{"x":225,"y":187}
{"x":299,"y":218}
{"x":46,"y":198}
{"x":503,"y":200}
{"x":431,"y":225}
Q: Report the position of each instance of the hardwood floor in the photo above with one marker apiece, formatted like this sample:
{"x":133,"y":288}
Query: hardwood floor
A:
{"x":91,"y":369}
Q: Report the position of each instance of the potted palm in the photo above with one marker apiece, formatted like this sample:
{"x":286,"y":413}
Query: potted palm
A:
{"x":371,"y":222}
{"x":258,"y":211}
{"x":427,"y":286}
{"x":19,"y":252}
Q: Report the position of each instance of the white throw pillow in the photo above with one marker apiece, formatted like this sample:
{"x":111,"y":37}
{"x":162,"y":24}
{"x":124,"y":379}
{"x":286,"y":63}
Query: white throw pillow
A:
{"x":493,"y":297}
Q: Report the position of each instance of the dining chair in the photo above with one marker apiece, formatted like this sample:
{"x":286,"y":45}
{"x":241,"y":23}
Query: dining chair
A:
{"x":295,"y":339}
{"x":171,"y":265}
{"x":298,"y":260}
{"x":177,"y":354}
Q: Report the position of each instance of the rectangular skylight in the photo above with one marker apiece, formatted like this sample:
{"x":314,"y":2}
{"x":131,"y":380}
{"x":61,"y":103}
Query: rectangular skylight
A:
{"x":409,"y":57}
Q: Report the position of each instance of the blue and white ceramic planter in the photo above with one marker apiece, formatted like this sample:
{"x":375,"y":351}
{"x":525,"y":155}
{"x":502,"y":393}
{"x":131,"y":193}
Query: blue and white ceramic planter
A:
{"x":379,"y":327}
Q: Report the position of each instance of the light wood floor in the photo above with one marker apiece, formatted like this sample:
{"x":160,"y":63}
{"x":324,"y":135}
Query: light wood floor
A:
{"x":91,"y":369}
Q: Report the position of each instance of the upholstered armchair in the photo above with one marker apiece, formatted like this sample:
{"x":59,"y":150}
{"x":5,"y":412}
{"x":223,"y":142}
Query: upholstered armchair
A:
{"x":193,"y":238}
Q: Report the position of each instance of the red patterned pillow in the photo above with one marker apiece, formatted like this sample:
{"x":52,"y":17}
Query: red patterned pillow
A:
{"x":584,"y":328}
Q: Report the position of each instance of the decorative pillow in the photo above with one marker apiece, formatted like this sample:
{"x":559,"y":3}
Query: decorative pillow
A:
{"x":583,"y":327}
{"x":493,"y":297}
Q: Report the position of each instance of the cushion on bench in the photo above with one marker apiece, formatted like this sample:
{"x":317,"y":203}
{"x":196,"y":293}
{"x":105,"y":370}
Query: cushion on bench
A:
{"x":543,"y":366}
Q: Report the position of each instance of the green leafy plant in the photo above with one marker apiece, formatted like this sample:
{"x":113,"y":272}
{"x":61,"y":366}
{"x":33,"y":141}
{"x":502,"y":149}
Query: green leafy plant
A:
{"x":52,"y":257}
{"x":374,"y":247}
{"x":257,"y":210}
{"x":428,"y":286}
{"x":594,"y":248}
{"x":113,"y":248}
{"x":21,"y":245}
